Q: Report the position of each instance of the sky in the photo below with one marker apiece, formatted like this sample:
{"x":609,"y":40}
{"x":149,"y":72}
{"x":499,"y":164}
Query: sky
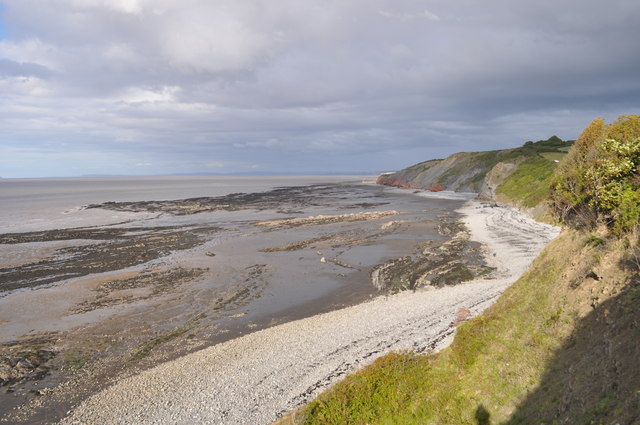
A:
{"x":158,"y":87}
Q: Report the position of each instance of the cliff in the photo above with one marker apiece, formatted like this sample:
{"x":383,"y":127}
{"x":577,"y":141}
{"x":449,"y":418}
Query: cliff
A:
{"x":461,"y":172}
{"x":485,"y":172}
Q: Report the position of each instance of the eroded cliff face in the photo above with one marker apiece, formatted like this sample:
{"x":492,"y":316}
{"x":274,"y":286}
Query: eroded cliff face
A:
{"x":524,"y":169}
{"x":396,"y":180}
{"x":461,"y":172}
{"x":408,"y":178}
{"x":494,"y":178}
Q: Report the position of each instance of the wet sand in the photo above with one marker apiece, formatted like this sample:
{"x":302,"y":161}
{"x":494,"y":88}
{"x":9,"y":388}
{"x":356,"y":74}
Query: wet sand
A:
{"x":92,"y":305}
{"x":257,"y":377}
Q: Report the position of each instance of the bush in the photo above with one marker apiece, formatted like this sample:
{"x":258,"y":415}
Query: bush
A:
{"x":598,"y":181}
{"x":628,"y":211}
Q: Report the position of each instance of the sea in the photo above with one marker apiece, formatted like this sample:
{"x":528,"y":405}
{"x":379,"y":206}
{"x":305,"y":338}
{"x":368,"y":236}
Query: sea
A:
{"x":50,"y":203}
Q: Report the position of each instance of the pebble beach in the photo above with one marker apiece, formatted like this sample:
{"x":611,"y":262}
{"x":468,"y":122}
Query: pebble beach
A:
{"x":258,"y":377}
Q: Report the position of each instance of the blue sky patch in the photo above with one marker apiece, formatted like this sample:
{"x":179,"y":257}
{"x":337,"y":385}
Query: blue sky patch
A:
{"x":3,"y":32}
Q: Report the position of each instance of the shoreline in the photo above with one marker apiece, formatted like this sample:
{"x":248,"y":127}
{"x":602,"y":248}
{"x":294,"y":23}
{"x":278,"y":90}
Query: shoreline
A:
{"x":316,"y":256}
{"x":260,"y":376}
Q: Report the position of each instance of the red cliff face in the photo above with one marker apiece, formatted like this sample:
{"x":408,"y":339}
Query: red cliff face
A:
{"x":434,"y":188}
{"x":392,"y":180}
{"x":398,"y":181}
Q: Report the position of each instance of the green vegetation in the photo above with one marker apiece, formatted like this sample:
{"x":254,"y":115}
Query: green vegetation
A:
{"x":554,"y":156}
{"x":482,"y":161}
{"x":77,"y":359}
{"x":146,"y":347}
{"x":599,"y":181}
{"x":494,"y":359}
{"x":84,"y":352}
{"x":467,"y":171}
{"x":560,"y":346}
{"x":529,"y":184}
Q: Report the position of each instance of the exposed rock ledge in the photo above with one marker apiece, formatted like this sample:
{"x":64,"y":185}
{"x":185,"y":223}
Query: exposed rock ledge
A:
{"x":255,"y":378}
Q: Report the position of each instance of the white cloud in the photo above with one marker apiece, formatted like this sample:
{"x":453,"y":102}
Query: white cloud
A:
{"x":120,"y":52}
{"x":220,"y":40}
{"x":24,"y":86}
{"x":123,"y":6}
{"x":268,"y":144}
{"x":425,"y":14}
{"x":163,"y":94}
{"x":216,"y":164}
{"x":430,"y":15}
{"x":29,"y":50}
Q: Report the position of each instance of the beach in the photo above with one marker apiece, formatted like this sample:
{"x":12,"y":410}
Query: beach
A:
{"x":255,"y":378}
{"x":98,"y":286}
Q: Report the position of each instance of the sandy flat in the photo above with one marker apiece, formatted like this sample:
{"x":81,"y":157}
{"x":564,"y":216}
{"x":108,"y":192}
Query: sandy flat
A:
{"x":256,"y":378}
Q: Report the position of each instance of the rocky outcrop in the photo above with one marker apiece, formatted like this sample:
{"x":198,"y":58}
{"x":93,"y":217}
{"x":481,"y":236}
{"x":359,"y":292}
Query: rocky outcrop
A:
{"x":393,"y":179}
{"x":450,"y":263}
{"x":25,"y":365}
{"x":480,"y":172}
{"x":398,"y":181}
{"x":461,"y":172}
{"x":494,"y":178}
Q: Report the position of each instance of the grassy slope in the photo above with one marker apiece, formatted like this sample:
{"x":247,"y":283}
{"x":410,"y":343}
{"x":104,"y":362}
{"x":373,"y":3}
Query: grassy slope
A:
{"x":528,"y":185}
{"x":560,"y":346}
{"x":557,"y":347}
{"x":535,"y":162}
{"x":487,"y":367}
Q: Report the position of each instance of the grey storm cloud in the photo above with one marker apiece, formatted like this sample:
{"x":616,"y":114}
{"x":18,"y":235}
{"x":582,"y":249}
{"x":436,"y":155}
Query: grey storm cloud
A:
{"x":301,"y":86}
{"x":9,"y":68}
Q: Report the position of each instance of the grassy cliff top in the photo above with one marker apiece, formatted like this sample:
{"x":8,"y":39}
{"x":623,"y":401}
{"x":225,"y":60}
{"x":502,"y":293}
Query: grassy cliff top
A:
{"x":466,"y":171}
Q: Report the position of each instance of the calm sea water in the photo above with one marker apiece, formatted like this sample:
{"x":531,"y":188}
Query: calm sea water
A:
{"x":37,"y":204}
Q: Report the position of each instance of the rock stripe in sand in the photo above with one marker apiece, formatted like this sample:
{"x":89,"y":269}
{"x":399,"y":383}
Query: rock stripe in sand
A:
{"x":255,"y":378}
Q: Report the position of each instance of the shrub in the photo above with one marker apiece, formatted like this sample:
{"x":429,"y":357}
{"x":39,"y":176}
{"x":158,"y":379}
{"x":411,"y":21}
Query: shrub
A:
{"x":628,"y":214}
{"x":599,"y":179}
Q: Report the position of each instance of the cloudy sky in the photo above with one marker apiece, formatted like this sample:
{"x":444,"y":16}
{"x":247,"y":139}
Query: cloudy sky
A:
{"x":144,"y":87}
